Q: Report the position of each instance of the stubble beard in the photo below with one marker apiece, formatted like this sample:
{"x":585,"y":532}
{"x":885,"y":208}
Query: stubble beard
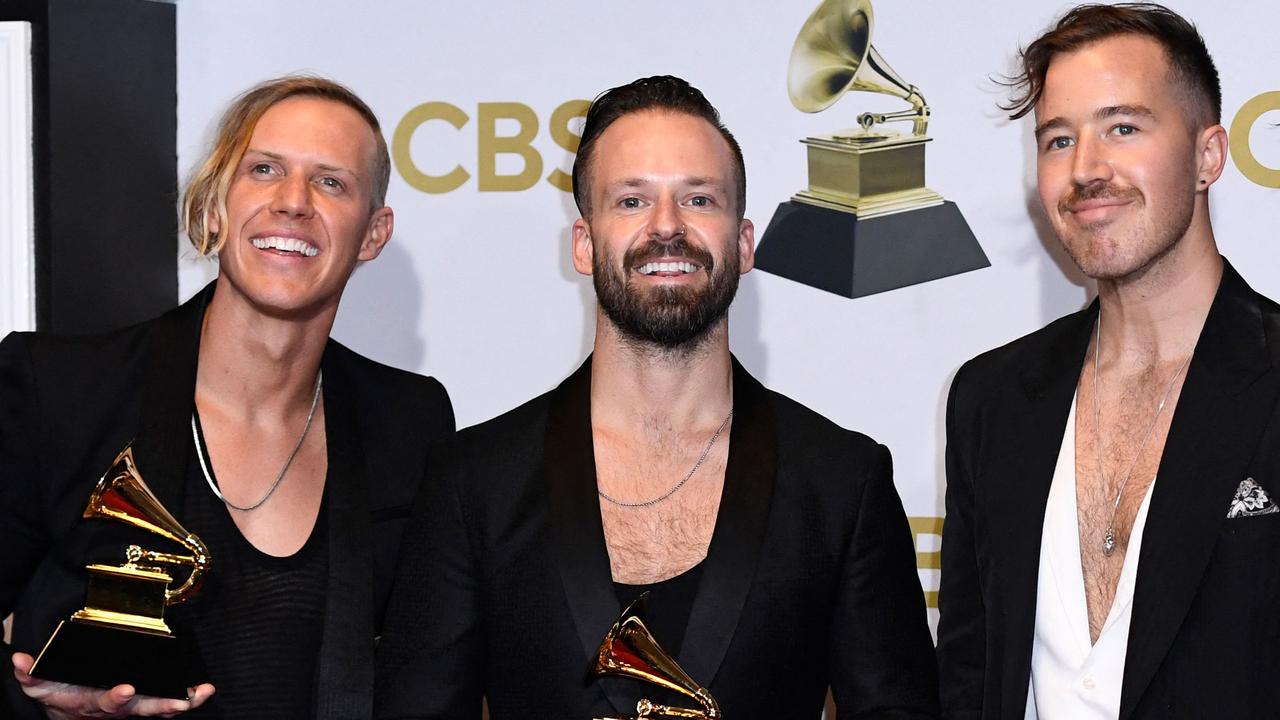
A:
{"x":1102,"y":255}
{"x":667,"y":320}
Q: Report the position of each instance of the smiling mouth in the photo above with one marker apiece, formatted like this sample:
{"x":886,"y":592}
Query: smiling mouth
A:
{"x":286,"y":245}
{"x":668,"y":269}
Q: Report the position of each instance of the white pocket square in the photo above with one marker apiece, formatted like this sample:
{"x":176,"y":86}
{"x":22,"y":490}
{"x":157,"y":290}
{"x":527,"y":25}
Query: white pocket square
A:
{"x":1251,"y":500}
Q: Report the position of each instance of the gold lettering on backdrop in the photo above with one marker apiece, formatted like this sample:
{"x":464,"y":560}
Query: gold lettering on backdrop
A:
{"x":489,"y":145}
{"x":566,"y":138}
{"x":492,"y":145}
{"x":928,"y":559}
{"x":1243,"y":155}
{"x":409,"y":124}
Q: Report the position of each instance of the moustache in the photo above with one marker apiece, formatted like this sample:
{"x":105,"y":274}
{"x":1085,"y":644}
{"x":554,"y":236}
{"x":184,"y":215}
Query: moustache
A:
{"x":657,"y":250}
{"x":1097,"y":191}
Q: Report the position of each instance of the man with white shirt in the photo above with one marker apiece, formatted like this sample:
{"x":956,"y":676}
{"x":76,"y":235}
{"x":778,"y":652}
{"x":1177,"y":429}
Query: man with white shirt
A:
{"x":1111,"y":544}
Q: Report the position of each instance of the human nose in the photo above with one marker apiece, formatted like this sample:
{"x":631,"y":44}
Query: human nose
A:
{"x":664,"y":221}
{"x":292,"y":197}
{"x":1089,"y":162}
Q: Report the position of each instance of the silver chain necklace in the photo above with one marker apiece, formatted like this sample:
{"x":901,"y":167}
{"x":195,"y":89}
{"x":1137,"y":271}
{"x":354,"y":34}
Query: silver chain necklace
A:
{"x":200,"y":451}
{"x":701,"y":459}
{"x":1109,"y":538}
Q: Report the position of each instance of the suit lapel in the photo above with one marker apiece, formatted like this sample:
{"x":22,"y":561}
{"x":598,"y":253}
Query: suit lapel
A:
{"x":163,"y":442}
{"x":1226,"y":400}
{"x":344,"y":671}
{"x":1019,"y":495}
{"x":577,"y":532}
{"x":739,"y":533}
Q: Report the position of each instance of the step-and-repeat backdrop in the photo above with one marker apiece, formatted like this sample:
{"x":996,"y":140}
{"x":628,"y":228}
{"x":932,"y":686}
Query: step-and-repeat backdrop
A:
{"x":482,"y":103}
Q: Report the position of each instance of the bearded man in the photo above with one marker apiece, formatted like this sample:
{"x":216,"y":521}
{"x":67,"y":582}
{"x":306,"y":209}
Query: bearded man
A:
{"x":772,"y":542}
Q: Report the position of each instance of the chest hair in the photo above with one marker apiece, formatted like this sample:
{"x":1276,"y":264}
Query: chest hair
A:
{"x":656,"y":542}
{"x":1128,"y":405}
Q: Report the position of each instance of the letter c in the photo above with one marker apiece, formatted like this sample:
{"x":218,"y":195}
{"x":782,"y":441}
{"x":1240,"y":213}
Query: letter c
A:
{"x":409,"y":124}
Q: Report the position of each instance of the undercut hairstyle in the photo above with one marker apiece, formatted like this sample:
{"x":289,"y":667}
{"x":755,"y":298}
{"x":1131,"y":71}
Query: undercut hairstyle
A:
{"x":1191,"y":68}
{"x":661,"y":93}
{"x":206,"y":194}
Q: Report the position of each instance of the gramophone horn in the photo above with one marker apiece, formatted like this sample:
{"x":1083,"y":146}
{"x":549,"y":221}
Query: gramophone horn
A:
{"x":123,"y":495}
{"x":833,"y":54}
{"x":630,"y":650}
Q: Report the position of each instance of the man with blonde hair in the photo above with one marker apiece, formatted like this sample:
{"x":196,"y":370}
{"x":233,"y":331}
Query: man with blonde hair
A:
{"x":292,"y":457}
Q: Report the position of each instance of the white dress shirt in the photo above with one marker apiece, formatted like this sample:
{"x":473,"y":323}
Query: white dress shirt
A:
{"x":1070,"y":678}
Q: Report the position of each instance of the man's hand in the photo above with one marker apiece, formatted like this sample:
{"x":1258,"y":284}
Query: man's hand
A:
{"x":70,"y":702}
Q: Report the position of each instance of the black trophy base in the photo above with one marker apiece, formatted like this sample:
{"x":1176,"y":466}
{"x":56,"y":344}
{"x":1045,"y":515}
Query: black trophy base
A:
{"x":97,"y":656}
{"x":842,"y":254}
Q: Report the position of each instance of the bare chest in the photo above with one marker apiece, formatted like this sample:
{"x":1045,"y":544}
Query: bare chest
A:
{"x":1119,"y":445}
{"x":246,"y":464}
{"x":653,"y":542}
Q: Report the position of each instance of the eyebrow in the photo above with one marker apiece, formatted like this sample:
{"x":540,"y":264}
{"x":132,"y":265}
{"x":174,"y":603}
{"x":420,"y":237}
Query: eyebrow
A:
{"x":1102,"y":113}
{"x":637,"y":182}
{"x":322,"y":166}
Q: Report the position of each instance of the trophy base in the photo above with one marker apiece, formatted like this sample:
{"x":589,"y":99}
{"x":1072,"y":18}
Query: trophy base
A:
{"x":93,"y":655}
{"x":855,"y":256}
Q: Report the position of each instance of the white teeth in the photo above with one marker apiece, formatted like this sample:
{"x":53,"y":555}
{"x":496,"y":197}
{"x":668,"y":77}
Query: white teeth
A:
{"x":653,"y":267}
{"x":286,"y":244}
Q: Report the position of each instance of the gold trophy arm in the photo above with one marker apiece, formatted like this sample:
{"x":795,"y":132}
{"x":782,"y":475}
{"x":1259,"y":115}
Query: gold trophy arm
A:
{"x":198,"y":562}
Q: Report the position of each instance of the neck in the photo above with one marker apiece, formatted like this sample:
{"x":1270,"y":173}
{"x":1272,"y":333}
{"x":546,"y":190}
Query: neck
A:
{"x":634,"y":385}
{"x":255,"y":366}
{"x":1156,"y":313}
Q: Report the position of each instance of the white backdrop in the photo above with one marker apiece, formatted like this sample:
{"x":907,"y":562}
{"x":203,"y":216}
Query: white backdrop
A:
{"x":477,"y":287}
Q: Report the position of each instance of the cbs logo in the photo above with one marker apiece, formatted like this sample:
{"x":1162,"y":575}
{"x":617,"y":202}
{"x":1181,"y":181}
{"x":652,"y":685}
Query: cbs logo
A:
{"x":489,"y":145}
{"x":1245,"y":158}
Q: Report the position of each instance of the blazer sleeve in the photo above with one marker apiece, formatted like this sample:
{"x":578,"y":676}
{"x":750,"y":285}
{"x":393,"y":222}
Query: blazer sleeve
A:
{"x":430,"y":659}
{"x":962,"y":620}
{"x":23,"y":536}
{"x":882,"y":655}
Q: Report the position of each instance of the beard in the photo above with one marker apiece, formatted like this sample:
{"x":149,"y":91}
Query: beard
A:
{"x":1106,"y":253}
{"x":670,"y":318}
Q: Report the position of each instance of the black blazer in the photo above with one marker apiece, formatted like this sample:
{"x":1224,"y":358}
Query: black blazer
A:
{"x":504,"y":587}
{"x":68,"y":405}
{"x":1205,"y":635}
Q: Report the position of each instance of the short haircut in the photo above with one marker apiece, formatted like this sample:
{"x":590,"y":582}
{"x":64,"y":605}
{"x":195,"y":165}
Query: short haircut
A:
{"x":1190,"y":66}
{"x":206,"y":193}
{"x":661,"y":93}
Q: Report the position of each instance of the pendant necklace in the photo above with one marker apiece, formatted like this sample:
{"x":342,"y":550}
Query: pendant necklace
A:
{"x":1109,"y":538}
{"x":204,"y":468}
{"x":701,"y":459}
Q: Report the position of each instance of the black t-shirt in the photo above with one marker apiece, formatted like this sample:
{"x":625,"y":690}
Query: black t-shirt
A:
{"x":253,"y":629}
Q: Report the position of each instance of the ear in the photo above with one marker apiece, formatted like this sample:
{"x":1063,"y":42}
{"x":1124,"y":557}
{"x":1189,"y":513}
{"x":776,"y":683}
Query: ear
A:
{"x":584,"y":251}
{"x":746,"y":245}
{"x":381,"y":225}
{"x":212,"y":223}
{"x":1211,"y":156}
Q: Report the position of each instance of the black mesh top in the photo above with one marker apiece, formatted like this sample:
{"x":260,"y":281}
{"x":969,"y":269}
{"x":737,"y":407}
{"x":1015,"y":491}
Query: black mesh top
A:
{"x":253,"y":629}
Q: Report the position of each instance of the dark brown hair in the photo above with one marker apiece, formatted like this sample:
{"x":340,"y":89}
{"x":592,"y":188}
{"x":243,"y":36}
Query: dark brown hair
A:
{"x":660,"y":92}
{"x":206,"y":194}
{"x":1190,"y":66}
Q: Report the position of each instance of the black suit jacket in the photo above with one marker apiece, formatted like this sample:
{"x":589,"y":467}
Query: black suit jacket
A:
{"x":1205,"y":635}
{"x":504,"y":587}
{"x":68,"y":405}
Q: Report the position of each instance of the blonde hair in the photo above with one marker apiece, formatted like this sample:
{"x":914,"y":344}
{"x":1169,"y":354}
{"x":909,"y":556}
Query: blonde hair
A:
{"x":206,"y":194}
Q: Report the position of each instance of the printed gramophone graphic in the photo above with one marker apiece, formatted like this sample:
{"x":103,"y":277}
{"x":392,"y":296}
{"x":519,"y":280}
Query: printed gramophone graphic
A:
{"x":867,"y":223}
{"x":120,"y":636}
{"x":630,"y":650}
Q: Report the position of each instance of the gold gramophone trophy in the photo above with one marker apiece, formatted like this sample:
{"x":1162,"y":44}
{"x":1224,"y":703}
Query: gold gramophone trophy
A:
{"x":867,"y":223}
{"x":120,"y":636}
{"x":631,"y":651}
